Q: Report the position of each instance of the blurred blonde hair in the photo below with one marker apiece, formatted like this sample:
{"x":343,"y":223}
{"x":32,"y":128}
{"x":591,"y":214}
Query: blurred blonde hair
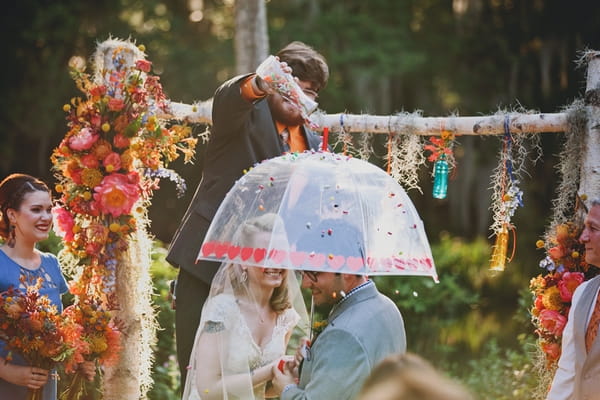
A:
{"x":410,"y":377}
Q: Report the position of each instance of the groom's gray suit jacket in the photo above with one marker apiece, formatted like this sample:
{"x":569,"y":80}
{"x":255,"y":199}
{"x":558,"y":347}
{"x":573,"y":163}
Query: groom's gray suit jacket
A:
{"x":362,"y":330}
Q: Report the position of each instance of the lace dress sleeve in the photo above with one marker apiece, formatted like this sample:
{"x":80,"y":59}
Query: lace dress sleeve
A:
{"x":289,"y":319}
{"x":218,"y":313}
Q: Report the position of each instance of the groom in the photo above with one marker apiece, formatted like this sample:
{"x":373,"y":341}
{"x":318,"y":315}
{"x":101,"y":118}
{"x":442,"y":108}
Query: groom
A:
{"x":363,"y":327}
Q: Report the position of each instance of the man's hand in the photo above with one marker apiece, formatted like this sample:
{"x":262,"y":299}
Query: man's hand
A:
{"x":282,"y":379}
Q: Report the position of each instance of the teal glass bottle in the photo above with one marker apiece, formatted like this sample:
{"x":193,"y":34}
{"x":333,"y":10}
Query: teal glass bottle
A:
{"x":440,"y":179}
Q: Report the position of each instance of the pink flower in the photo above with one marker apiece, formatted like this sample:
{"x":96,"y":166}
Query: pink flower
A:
{"x":539,"y":303}
{"x":557,"y":252}
{"x":115,"y":104}
{"x":120,"y":141}
{"x":64,"y":222}
{"x":112,"y":162}
{"x":553,"y":321}
{"x":90,"y":161}
{"x":83,"y":140}
{"x":116,"y":195}
{"x":551,"y":349}
{"x":568,"y":284}
{"x":143,"y":65}
{"x":99,"y":90}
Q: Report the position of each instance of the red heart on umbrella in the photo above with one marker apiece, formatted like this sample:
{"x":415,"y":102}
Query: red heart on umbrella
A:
{"x":259,"y":254}
{"x":316,"y":259}
{"x":336,"y":262}
{"x":208,"y":248}
{"x":221,"y":249}
{"x":297,"y":257}
{"x":246,"y":252}
{"x":233,"y":251}
{"x":277,"y":255}
{"x":355,"y":263}
{"x":428,"y":263}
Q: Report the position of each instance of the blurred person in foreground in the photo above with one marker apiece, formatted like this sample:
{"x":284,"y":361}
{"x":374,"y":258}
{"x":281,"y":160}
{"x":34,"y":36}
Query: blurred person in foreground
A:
{"x":251,"y":123}
{"x":410,"y":377}
{"x":578,"y":373}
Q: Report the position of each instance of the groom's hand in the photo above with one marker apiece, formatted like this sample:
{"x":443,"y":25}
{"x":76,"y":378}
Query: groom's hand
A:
{"x":282,"y":379}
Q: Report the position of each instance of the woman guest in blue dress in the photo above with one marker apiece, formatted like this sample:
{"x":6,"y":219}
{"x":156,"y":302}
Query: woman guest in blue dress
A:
{"x":26,"y":219}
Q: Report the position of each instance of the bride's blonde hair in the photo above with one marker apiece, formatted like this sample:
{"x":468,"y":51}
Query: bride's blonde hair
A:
{"x":246,"y":236}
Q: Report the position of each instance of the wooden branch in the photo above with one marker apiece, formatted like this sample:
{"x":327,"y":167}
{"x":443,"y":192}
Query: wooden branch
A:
{"x":403,"y":123}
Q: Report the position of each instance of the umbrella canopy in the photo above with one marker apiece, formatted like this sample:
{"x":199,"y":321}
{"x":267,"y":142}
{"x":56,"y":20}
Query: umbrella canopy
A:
{"x":334,"y":213}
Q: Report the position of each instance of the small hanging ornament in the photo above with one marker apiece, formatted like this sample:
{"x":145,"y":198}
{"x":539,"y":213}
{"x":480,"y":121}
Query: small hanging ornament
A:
{"x":443,"y":158}
{"x":508,"y":198}
{"x":440,"y":178}
{"x":500,"y":250}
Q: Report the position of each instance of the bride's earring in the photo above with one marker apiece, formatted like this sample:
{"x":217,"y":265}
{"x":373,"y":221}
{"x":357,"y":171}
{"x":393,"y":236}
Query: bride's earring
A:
{"x":11,"y":236}
{"x":244,"y":276}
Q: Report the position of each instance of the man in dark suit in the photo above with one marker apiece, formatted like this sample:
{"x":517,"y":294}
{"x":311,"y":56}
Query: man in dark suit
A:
{"x":251,"y":123}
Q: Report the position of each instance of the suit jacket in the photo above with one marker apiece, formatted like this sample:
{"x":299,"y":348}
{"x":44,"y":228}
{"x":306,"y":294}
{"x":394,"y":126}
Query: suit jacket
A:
{"x":364,"y":329}
{"x":578,"y":373}
{"x":243,"y":134}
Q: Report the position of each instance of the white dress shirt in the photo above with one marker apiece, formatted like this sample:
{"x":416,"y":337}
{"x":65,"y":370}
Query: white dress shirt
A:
{"x":563,"y":384}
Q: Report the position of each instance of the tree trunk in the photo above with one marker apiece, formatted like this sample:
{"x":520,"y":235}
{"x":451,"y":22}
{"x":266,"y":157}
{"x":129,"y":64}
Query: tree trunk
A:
{"x":251,"y":38}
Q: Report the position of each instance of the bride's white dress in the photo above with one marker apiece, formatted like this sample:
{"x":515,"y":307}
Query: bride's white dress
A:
{"x":242,"y":353}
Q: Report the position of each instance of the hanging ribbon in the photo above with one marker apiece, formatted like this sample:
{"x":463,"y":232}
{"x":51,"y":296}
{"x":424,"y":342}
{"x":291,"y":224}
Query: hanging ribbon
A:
{"x":511,"y":197}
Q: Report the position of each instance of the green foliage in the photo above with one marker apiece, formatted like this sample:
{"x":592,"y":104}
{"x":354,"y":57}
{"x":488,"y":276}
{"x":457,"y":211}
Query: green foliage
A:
{"x":165,"y":373}
{"x":501,"y":374}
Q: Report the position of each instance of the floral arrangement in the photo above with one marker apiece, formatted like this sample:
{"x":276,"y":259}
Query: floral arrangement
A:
{"x":440,"y":148}
{"x":107,"y":167}
{"x":564,"y":270}
{"x":99,"y":339}
{"x":109,"y":163}
{"x":31,"y":326}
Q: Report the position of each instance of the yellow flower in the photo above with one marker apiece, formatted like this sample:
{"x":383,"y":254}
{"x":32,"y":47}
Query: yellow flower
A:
{"x":114,"y":227}
{"x":539,"y":244}
{"x":91,"y":177}
{"x":141,"y":47}
{"x":551,"y":299}
{"x":59,"y":188}
{"x":105,"y":127}
{"x":67,"y":108}
{"x":87,"y":195}
{"x":575,"y":254}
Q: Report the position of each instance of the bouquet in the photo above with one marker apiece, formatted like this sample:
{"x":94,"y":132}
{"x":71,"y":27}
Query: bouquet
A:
{"x":99,"y":342}
{"x":565,"y":269}
{"x":31,"y":326}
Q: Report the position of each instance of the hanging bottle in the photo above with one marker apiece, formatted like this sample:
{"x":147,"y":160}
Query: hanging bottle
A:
{"x":499,"y":251}
{"x":440,"y":178}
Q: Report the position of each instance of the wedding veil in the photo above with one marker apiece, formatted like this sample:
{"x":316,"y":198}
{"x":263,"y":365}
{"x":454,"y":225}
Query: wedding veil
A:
{"x":225,"y":355}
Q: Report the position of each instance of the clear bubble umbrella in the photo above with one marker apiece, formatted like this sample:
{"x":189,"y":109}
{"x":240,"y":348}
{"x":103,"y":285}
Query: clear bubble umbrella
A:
{"x":334,"y":213}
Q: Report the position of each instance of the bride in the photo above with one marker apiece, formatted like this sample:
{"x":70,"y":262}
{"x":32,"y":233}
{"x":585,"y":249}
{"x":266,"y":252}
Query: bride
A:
{"x":246,"y":326}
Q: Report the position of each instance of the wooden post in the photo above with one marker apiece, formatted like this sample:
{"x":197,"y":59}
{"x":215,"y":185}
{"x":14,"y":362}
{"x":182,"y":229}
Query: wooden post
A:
{"x":590,"y":168}
{"x":131,"y":377}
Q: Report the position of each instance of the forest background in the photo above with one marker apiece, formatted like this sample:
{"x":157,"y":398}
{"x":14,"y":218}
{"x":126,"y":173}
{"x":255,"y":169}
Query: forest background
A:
{"x":443,"y":57}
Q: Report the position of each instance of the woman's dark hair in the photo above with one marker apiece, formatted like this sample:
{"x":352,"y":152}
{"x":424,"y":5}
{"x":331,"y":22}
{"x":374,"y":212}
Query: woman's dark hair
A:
{"x":12,"y":192}
{"x":306,"y":63}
